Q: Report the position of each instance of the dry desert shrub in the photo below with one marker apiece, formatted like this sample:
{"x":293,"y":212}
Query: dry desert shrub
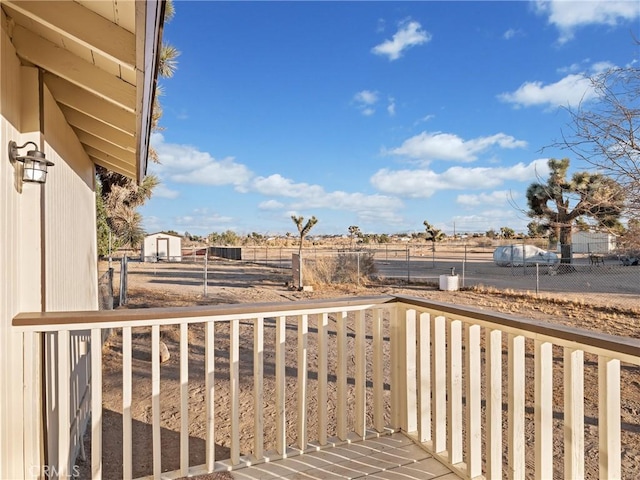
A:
{"x":345,"y":268}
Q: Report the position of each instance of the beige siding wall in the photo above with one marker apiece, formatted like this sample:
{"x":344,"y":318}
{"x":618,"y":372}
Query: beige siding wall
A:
{"x":19,"y":267}
{"x":59,"y":217}
{"x":70,"y":218}
{"x":71,"y":280}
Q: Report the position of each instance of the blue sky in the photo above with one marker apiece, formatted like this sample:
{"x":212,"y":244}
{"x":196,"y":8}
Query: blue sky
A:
{"x":376,"y":114}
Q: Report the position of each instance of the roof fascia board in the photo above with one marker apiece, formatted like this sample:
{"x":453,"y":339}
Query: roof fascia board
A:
{"x":149,"y":23}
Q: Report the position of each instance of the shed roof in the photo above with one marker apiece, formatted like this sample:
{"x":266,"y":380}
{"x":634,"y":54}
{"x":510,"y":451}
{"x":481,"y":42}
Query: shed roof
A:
{"x":100,"y":62}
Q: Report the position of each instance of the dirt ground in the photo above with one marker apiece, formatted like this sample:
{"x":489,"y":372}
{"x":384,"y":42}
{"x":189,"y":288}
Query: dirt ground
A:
{"x":159,"y":285}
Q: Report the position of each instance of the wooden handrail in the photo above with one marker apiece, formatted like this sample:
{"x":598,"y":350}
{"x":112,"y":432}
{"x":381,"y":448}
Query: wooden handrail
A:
{"x":623,"y":345}
{"x":51,"y":321}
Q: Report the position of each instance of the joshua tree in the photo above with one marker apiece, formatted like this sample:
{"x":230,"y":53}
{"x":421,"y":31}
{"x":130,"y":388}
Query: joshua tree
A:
{"x":433,"y":234}
{"x":559,"y":202}
{"x":354,"y":231}
{"x":303,"y":229}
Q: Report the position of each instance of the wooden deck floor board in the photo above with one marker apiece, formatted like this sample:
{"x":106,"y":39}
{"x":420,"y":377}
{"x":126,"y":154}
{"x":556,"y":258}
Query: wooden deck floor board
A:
{"x":393,"y":457}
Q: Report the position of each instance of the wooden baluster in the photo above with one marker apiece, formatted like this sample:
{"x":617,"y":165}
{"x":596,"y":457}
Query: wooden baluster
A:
{"x":323,"y":324}
{"x":378,"y":372}
{"x":184,"y":399}
{"x":573,"y":413}
{"x":127,"y":443}
{"x":281,"y":425}
{"x":303,"y":331}
{"x":209,"y":401}
{"x":234,"y":389}
{"x":454,"y":391}
{"x":609,"y":417}
{"x":424,"y":377}
{"x":155,"y":401}
{"x":342,"y":376}
{"x":360,"y":375}
{"x":473,"y":388}
{"x":543,"y":413}
{"x":516,"y":378}
{"x":493,"y":360}
{"x":258,"y":382}
{"x":439,"y":377}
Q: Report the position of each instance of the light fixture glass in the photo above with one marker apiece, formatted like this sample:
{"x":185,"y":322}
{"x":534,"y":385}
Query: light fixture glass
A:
{"x":34,"y":162}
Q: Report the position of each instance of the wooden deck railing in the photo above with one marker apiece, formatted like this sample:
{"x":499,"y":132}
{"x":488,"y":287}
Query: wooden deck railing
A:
{"x":487,"y":394}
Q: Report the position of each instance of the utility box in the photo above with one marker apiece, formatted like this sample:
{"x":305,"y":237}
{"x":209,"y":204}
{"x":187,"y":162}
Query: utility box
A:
{"x":449,"y":283}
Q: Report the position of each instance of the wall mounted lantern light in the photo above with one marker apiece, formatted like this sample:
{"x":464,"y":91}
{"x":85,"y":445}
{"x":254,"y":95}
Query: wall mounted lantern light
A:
{"x":35,"y":163}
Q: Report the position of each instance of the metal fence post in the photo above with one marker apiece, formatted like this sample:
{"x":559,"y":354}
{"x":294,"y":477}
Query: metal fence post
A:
{"x":206,"y":274}
{"x":123,"y":281}
{"x":408,"y":264}
{"x":464,"y":264}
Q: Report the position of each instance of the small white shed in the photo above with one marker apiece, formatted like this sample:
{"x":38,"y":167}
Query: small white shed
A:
{"x":161,"y":247}
{"x":593,"y":242}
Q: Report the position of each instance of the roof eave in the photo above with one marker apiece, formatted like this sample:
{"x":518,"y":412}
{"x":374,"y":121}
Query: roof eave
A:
{"x":149,"y":21}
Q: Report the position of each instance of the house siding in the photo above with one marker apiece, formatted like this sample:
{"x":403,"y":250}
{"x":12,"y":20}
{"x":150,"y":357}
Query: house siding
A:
{"x":19,"y":268}
{"x":48,"y":261}
{"x":71,"y":280}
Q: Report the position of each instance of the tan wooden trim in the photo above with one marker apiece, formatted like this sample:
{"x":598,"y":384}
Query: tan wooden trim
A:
{"x":76,"y":70}
{"x":66,"y":93}
{"x":78,"y":23}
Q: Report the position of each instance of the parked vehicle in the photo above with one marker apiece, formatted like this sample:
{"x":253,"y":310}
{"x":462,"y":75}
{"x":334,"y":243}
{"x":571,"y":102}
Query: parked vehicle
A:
{"x":518,"y":255}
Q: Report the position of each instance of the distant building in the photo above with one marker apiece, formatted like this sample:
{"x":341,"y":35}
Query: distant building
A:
{"x":593,"y":242}
{"x":161,"y":246}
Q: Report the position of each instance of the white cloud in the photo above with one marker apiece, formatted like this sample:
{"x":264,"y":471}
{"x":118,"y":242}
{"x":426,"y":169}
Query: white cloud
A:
{"x":278,"y":185}
{"x":271,"y":205}
{"x":309,"y":196}
{"x":186,"y":164}
{"x":498,"y":197}
{"x":569,"y":91}
{"x":425,"y":119}
{"x":202,"y":220}
{"x":366,"y":97}
{"x":511,"y":33}
{"x":428,"y":146}
{"x":409,"y":34}
{"x":391,"y":107}
{"x":365,"y":100}
{"x":567,"y":16}
{"x":163,"y":191}
{"x":423,"y":183}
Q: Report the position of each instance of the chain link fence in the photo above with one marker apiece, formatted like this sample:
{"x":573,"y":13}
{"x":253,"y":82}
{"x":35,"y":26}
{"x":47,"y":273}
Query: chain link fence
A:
{"x":591,"y":268}
{"x":517,"y":266}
